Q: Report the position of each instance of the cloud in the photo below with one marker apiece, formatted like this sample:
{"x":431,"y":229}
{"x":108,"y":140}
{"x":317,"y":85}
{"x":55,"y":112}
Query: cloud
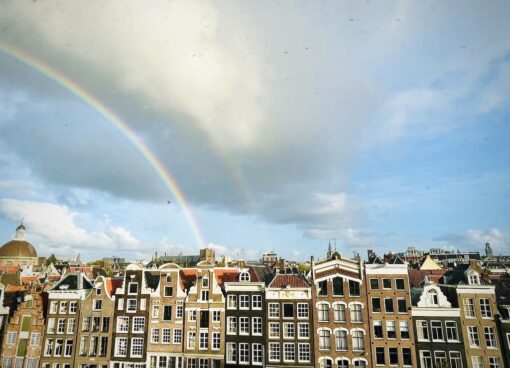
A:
{"x":475,"y":239}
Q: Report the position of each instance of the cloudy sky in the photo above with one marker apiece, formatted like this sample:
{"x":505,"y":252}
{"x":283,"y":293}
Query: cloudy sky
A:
{"x":285,"y":124}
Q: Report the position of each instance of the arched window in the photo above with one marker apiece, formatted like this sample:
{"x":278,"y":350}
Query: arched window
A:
{"x":358,"y":342}
{"x":326,"y":363}
{"x":339,"y":312}
{"x":324,"y":339}
{"x":341,"y":340}
{"x":323,"y":310}
{"x":355,"y":312}
{"x":432,"y":296}
{"x":343,"y":363}
{"x":245,"y":276}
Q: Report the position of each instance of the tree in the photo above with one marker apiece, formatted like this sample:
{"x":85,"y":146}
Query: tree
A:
{"x":51,"y":259}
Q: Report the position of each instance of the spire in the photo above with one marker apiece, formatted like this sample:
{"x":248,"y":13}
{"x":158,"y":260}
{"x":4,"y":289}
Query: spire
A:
{"x":330,"y":251}
{"x":20,"y":232}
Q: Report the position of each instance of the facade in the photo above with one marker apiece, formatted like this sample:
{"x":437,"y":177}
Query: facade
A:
{"x":96,"y":324}
{"x":389,"y":307}
{"x":503,"y":300}
{"x":245,"y":318}
{"x":204,"y":325}
{"x":18,"y":251}
{"x":288,"y":311}
{"x":22,"y":340}
{"x":476,"y":299}
{"x":437,"y":329}
{"x":340,"y":313}
{"x":130,"y":318}
{"x":62,"y":316}
{"x":166,"y":320}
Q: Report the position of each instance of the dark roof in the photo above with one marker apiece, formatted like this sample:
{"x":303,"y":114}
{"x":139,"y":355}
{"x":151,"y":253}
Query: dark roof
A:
{"x":416,"y":295}
{"x":152,"y":279}
{"x":502,"y":291}
{"x":297,"y":281}
{"x":398,"y":260}
{"x":375,"y":260}
{"x":263,"y":273}
{"x":74,"y":281}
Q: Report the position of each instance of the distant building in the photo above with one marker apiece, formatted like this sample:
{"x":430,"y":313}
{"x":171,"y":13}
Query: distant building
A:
{"x":18,"y":251}
{"x":269,"y":259}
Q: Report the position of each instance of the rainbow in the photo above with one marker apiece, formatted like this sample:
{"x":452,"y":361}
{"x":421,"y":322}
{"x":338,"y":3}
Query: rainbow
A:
{"x":83,"y":94}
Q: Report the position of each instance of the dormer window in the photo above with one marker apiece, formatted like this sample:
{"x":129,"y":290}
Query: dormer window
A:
{"x":168,"y":277}
{"x":205,"y":282}
{"x":474,"y":279}
{"x":245,"y":276}
{"x":133,"y":288}
{"x":432,"y":297}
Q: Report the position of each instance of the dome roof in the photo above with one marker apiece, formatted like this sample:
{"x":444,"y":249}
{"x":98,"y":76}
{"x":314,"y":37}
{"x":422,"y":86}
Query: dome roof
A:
{"x":17,"y":248}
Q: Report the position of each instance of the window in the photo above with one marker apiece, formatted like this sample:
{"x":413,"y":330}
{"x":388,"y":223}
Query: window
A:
{"x":85,"y":326}
{"x":48,"y":347}
{"x":304,"y":352}
{"x":53,"y":307}
{"x":232,"y":302}
{"x":390,"y":330}
{"x":288,"y":310}
{"x":138,"y":324}
{"x":494,"y":362}
{"x":120,"y":304}
{"x":455,"y":359}
{"x":404,"y":329}
{"x":168,"y":277}
{"x":204,"y":295}
{"x":407,"y":357}
{"x":122,"y":324}
{"x":388,"y":305}
{"x":35,"y":339}
{"x":379,"y":356}
{"x":83,"y":345}
{"x":339,"y":312}
{"x":61,"y":323}
{"x":274,"y":351}
{"x":451,"y":331}
{"x":7,"y":362}
{"x":155,"y":309}
{"x":106,"y":324}
{"x":216,"y":316}
{"x":354,"y":289}
{"x":192,"y":363}
{"x":63,"y":308}
{"x":323,"y":288}
{"x":177,"y":336}
{"x":274,"y":330}
{"x":204,"y":340}
{"x":191,"y":339}
{"x":231,"y":325}
{"x":131,"y":305}
{"x":474,"y":279}
{"x":289,"y":352}
{"x":32,"y":363}
{"x":386,"y":283}
{"x":204,"y":319}
{"x":192,"y":315}
{"x":244,"y":301}
{"x":137,"y":347}
{"x":203,"y":363}
{"x":469,"y":308}
{"x":256,"y":354}
{"x":244,"y":353}
{"x":97,"y":304}
{"x":303,"y":330}
{"x":426,"y":359}
{"x":155,"y":335}
{"x":356,"y":313}
{"x":374,"y":284}
{"x":120,"y":347}
{"x":231,"y":353}
{"x":399,"y":283}
{"x":288,"y":330}
{"x":51,"y":326}
{"x":338,"y":286}
{"x":166,"y":336}
{"x":73,"y":307}
{"x":133,"y":288}
{"x":58,"y":347}
{"x":360,"y":363}
{"x":216,"y":341}
{"x":324,"y":339}
{"x":96,"y":322}
{"x":341,"y":340}
{"x":477,"y":361}
{"x":11,"y":338}
{"x":256,"y":301}
{"x":376,"y":305}
{"x":402,"y":305}
{"x":440,"y":358}
{"x":323,"y":312}
{"x":436,"y":328}
{"x":244,"y":277}
{"x":244,"y":325}
{"x":179,"y":311}
{"x":169,"y":291}
{"x":167,"y":313}
{"x":302,"y":310}
{"x":274,"y":310}
{"x":490,"y":337}
{"x":378,"y":330}
{"x":393,"y":355}
{"x":485,"y":308}
{"x":205,"y":282}
{"x":474,"y":340}
{"x":256,"y":326}
{"x":358,"y":343}
{"x":422,"y":330}
{"x":432,"y":297}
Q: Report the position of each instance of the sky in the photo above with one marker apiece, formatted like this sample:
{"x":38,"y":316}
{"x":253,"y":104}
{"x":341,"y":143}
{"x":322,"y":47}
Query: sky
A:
{"x":285,"y":125}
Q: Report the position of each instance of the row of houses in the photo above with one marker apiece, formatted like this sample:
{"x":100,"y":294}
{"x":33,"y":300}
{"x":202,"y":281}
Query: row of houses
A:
{"x":343,"y":313}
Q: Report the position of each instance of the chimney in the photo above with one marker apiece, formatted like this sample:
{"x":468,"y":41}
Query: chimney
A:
{"x":281,"y":265}
{"x":241,"y":263}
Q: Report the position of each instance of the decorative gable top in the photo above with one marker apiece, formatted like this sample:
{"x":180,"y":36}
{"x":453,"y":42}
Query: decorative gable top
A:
{"x":433,"y":297}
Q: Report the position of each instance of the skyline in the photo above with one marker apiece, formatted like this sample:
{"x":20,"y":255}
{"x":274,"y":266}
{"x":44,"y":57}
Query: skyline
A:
{"x":283,"y":125}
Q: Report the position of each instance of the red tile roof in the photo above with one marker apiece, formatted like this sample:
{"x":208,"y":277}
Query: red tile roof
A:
{"x":226,"y":275}
{"x":296,"y":281}
{"x":112,"y":285}
{"x":416,"y":277}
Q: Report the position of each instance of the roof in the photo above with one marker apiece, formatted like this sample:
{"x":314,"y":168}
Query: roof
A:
{"x":152,"y":279}
{"x":112,"y":284}
{"x":295,"y":281}
{"x":416,"y":277}
{"x":226,"y":275}
{"x":18,"y":249}
{"x":72,"y":281}
{"x":502,"y":291}
{"x":262,"y":274}
{"x":188,"y":277}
